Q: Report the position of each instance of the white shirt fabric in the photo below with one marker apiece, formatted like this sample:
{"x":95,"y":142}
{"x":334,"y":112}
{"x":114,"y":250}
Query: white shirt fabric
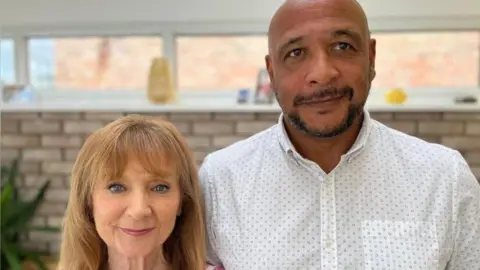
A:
{"x":394,"y":202}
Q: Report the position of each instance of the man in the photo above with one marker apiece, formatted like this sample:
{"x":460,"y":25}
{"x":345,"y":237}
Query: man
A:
{"x":328,"y":187}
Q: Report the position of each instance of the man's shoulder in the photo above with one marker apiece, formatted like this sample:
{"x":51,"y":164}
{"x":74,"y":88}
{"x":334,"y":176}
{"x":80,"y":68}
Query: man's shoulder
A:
{"x":416,"y":149}
{"x":243,"y":150}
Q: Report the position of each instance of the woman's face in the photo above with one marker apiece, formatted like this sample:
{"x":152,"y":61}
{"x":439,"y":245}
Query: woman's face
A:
{"x":135,"y":214}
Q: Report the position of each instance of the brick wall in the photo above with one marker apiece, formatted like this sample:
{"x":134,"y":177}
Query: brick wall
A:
{"x":47,"y":144}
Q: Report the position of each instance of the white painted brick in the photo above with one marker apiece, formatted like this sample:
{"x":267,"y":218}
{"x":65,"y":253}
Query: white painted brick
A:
{"x":52,"y":209}
{"x":57,"y":195}
{"x":70,"y":154}
{"x":190,"y":116}
{"x":224,"y":141}
{"x":233,"y":116}
{"x":473,"y":128}
{"x":35,"y":180}
{"x":9,"y":126}
{"x":102,"y":116}
{"x":408,"y":127}
{"x":60,"y":115}
{"x":273,"y":117}
{"x":461,"y":143}
{"x":198,"y":141}
{"x":417,"y":116}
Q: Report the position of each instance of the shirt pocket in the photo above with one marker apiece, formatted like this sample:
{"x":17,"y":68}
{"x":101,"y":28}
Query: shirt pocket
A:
{"x":400,"y":245}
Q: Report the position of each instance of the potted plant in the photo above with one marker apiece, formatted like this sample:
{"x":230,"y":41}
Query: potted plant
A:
{"x":16,"y":217}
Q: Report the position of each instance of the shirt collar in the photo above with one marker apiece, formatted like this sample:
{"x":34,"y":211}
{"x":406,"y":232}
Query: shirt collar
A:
{"x":360,"y":142}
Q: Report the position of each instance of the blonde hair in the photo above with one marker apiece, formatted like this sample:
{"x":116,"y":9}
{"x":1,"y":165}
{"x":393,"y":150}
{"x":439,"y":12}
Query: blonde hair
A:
{"x":156,"y":144}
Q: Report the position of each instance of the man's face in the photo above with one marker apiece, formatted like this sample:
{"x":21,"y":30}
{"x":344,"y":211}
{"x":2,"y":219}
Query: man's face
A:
{"x":321,"y":65}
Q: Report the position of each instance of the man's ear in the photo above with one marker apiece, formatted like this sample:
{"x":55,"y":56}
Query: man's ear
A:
{"x":268,"y":64}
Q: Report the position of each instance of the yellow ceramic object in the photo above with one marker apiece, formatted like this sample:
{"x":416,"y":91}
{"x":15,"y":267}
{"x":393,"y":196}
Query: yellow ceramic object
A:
{"x":160,"y":82}
{"x":396,"y":96}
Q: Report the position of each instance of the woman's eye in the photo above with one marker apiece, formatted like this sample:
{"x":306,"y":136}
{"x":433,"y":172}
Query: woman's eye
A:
{"x":161,"y":188}
{"x":116,"y":188}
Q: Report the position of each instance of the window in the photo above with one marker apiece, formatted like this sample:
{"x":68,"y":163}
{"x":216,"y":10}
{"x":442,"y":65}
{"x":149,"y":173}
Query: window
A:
{"x":426,"y":59}
{"x":91,"y":63}
{"x":219,"y":62}
{"x":7,"y":60}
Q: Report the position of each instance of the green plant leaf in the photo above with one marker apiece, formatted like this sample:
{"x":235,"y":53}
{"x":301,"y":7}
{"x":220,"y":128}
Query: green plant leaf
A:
{"x":26,"y":211}
{"x":12,"y":257}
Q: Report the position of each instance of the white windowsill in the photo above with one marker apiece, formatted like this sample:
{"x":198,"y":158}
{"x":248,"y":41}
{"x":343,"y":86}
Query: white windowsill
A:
{"x":433,"y":100}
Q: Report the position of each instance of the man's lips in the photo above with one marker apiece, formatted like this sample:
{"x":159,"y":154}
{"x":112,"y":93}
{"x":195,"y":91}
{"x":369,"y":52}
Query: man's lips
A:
{"x":322,"y":100}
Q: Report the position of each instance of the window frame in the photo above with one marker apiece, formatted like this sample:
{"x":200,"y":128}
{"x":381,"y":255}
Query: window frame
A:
{"x":168,"y":32}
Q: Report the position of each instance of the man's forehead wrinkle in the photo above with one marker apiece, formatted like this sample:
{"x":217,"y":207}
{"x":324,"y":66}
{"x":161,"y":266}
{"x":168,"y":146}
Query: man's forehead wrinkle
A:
{"x":290,"y":7}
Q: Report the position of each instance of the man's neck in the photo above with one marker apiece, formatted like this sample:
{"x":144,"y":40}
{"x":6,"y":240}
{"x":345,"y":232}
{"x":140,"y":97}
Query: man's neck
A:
{"x":153,"y":261}
{"x":326,"y":152}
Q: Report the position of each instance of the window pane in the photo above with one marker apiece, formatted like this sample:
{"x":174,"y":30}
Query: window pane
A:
{"x":7,"y":61}
{"x":93,"y":62}
{"x":219,"y":62}
{"x":427,"y":59}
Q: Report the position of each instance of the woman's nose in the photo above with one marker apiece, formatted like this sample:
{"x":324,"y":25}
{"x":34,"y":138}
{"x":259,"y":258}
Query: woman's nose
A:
{"x":139,"y":206}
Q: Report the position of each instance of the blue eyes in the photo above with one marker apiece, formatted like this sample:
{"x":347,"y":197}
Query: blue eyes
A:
{"x":117,"y":188}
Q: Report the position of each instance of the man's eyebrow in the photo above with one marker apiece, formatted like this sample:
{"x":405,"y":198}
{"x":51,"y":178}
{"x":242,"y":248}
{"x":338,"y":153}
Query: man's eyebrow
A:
{"x":348,"y":33}
{"x":289,"y":42}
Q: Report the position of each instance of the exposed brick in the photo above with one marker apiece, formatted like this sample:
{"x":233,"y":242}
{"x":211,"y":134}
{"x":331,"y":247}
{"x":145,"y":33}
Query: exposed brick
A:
{"x":233,"y":116}
{"x":54,"y":221}
{"x":461,"y":116}
{"x":9,"y":125}
{"x":198,"y":141}
{"x":81,"y":127}
{"x":61,"y":115}
{"x":183,"y":127}
{"x":52,"y":209}
{"x":9,"y":154}
{"x":417,"y":116}
{"x":42,"y":154}
{"x":23,"y":115}
{"x":447,"y":128}
{"x":251,"y":127}
{"x":39,"y":221}
{"x":39,"y":236}
{"x":62,"y":141}
{"x":10,"y":140}
{"x":27,"y":167}
{"x":57,"y":167}
{"x":461,"y":143}
{"x":408,"y":127}
{"x":34,"y":245}
{"x":153,"y":115}
{"x":429,"y":138}
{"x":102,"y":116}
{"x":35,"y":180}
{"x":473,"y":157}
{"x":224,"y":141}
{"x":39,"y":126}
{"x":200,"y":156}
{"x":213,"y":128}
{"x":381,"y":116}
{"x":273,"y":117}
{"x":476,"y":172}
{"x":473,"y":128}
{"x":57,"y":195}
{"x":70,"y":154}
{"x":190,"y":116}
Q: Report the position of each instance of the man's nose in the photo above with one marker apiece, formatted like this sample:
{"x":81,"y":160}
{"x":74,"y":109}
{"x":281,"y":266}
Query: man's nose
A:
{"x":322,"y":71}
{"x":139,"y":206}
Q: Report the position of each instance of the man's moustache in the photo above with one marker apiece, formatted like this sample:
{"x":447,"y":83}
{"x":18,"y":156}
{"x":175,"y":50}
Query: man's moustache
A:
{"x":322,"y":94}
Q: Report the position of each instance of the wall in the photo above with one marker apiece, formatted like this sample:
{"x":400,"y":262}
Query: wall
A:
{"x":47,"y":144}
{"x":14,"y":12}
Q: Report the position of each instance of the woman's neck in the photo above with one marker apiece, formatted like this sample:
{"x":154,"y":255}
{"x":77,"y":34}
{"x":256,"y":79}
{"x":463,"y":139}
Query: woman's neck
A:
{"x":153,"y":261}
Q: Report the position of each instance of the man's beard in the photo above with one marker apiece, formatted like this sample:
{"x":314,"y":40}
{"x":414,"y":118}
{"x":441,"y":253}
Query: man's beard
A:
{"x":354,"y":111}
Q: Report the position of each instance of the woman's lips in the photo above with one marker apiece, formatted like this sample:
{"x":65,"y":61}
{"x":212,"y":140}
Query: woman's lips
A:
{"x":136,"y":232}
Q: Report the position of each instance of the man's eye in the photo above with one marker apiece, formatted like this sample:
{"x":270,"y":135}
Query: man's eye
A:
{"x":161,"y":188}
{"x":343,"y":46}
{"x":116,"y":188}
{"x":295,"y":53}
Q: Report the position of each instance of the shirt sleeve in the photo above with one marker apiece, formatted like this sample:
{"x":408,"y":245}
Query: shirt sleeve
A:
{"x":466,"y":219}
{"x":210,"y":206}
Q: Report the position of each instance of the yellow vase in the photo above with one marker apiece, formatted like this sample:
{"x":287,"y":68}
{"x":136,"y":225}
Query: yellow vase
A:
{"x":396,"y":96}
{"x":160,"y":82}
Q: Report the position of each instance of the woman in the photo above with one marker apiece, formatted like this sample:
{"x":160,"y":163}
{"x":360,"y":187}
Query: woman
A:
{"x":135,"y":201}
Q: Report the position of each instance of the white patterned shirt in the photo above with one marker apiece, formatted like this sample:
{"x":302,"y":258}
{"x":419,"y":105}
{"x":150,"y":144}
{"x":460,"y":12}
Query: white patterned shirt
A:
{"x":394,"y":202}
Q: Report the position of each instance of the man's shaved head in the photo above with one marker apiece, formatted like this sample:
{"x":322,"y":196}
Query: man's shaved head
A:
{"x":290,"y":7}
{"x":321,"y":64}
